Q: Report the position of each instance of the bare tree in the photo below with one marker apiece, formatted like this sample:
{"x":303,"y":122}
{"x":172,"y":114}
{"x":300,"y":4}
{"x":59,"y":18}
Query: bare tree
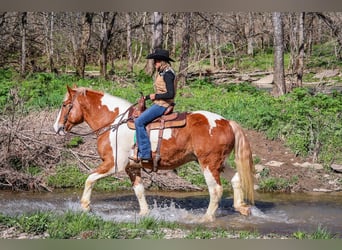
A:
{"x":184,"y":58}
{"x":335,"y":25}
{"x":49,"y":30}
{"x":107,"y":32}
{"x":157,"y":38}
{"x":129,"y":43}
{"x":81,"y":52}
{"x":300,"y":58}
{"x":279,"y":73}
{"x":249,"y":31}
{"x":23,"y":24}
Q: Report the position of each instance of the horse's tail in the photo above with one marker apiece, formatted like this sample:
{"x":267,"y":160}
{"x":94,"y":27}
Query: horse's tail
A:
{"x":244,"y":161}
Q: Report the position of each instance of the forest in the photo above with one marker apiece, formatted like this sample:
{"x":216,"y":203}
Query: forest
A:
{"x":63,"y":42}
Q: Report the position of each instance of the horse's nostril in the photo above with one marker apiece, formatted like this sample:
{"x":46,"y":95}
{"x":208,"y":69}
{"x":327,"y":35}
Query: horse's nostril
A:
{"x":60,"y":129}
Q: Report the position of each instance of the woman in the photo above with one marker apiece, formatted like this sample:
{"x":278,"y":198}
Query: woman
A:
{"x":162,"y":98}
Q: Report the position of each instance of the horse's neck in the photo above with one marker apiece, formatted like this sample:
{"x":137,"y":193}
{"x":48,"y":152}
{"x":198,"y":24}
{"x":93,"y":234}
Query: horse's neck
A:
{"x":104,"y":112}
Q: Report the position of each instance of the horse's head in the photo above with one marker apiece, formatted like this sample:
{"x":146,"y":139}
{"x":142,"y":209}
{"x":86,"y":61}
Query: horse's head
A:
{"x":70,"y":114}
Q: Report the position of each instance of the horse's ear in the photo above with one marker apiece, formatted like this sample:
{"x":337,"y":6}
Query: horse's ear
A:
{"x":69,"y":89}
{"x":75,"y":86}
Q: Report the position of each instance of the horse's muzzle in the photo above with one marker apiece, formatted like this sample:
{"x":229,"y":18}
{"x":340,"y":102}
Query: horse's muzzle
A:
{"x":60,"y":131}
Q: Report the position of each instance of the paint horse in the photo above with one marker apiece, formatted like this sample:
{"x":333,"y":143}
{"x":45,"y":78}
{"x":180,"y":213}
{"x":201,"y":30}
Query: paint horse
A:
{"x":207,"y":138}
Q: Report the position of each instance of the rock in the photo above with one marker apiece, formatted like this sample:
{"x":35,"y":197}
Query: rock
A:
{"x":259,"y":168}
{"x":265,"y":82}
{"x":327,"y":73}
{"x":337,"y":167}
{"x":309,"y":165}
{"x":322,"y":190}
{"x":274,"y":163}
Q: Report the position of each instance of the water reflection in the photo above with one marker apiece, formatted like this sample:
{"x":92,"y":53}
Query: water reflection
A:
{"x":273,"y":213}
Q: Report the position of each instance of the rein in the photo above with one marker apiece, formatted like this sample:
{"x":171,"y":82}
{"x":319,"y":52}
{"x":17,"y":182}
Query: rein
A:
{"x":105,"y":128}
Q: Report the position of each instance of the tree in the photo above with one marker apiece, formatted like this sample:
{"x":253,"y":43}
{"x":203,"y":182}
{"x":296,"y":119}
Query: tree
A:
{"x":335,"y":25}
{"x":249,"y":31}
{"x":279,"y":73}
{"x":49,"y":30}
{"x":23,"y":24}
{"x":107,"y":32}
{"x":81,"y":50}
{"x":300,"y":59}
{"x":184,"y":58}
{"x":129,"y":43}
{"x":157,"y":38}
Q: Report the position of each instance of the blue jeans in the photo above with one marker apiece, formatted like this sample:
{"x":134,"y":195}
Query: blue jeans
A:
{"x":143,"y":140}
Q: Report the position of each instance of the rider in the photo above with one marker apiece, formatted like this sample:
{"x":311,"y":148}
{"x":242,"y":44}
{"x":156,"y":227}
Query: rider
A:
{"x":163,"y":96}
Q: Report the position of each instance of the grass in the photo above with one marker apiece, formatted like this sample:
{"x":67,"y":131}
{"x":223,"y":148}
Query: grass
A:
{"x":71,"y":225}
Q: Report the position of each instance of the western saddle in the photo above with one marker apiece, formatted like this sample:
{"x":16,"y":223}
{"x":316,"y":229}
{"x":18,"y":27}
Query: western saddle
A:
{"x":169,"y":119}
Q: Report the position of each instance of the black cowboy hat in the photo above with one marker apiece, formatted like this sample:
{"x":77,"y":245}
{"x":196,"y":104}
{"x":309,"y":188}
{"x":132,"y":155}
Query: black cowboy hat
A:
{"x":160,"y":54}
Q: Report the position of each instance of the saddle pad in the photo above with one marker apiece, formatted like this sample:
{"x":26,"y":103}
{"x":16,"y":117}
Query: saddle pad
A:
{"x":179,"y":120}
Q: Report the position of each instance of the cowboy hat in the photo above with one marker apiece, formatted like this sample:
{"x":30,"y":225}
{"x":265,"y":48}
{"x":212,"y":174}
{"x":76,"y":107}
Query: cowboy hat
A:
{"x":160,"y":54}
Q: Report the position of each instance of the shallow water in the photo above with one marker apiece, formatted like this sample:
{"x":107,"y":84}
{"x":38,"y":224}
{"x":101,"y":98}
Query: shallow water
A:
{"x":272,"y":213}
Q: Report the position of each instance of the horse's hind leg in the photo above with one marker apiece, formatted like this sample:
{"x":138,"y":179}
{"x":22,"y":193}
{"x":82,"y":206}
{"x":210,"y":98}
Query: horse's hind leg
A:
{"x":212,"y":178}
{"x":138,"y":187}
{"x":239,"y":204}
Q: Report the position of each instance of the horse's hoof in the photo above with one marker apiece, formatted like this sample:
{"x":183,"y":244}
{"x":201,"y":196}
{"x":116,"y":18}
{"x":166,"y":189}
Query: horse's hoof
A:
{"x":244,"y":210}
{"x":144,"y":212}
{"x":207,"y":218}
{"x":85,"y":206}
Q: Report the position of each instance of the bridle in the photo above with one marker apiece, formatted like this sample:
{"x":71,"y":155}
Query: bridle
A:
{"x":100,"y":131}
{"x":66,"y":116}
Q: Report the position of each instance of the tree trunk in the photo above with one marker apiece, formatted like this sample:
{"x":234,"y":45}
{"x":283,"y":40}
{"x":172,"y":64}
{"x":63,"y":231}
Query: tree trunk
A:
{"x":49,"y":28}
{"x":23,"y":23}
{"x":129,"y":43}
{"x":157,"y":38}
{"x":143,"y":38}
{"x":81,"y":55}
{"x":211,"y":49}
{"x":106,"y":37}
{"x":279,"y":74}
{"x":184,"y":58}
{"x":249,"y":31}
{"x":300,"y":60}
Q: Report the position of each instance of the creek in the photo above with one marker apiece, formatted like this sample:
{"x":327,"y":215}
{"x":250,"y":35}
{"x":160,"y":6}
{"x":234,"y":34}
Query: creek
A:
{"x":273,"y":212}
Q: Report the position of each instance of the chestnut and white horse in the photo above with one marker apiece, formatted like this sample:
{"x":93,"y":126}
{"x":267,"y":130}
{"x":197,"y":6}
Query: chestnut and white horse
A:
{"x":207,"y":138}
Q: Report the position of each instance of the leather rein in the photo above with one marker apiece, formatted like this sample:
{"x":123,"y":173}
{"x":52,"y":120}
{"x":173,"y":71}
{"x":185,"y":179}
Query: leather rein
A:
{"x":103,"y":129}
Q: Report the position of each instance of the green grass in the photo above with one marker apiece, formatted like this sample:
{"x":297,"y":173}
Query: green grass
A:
{"x":68,"y":176}
{"x":321,"y":233}
{"x":75,"y":225}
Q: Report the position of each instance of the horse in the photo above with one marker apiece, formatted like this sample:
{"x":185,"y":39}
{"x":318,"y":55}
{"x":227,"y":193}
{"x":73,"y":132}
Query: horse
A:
{"x":207,"y":138}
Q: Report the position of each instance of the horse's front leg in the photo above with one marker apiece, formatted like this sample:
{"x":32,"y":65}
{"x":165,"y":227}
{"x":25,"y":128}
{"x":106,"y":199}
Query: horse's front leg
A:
{"x":215,"y":191}
{"x":138,"y":187}
{"x":102,"y":171}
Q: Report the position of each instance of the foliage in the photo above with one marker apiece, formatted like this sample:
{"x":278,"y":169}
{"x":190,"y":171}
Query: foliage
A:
{"x":274,"y":184}
{"x":78,"y":225}
{"x":321,"y":233}
{"x":74,"y":142}
{"x":67,"y":177}
{"x":72,"y":177}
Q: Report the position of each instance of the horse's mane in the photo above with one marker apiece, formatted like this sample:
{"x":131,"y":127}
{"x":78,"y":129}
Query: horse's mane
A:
{"x":84,"y":90}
